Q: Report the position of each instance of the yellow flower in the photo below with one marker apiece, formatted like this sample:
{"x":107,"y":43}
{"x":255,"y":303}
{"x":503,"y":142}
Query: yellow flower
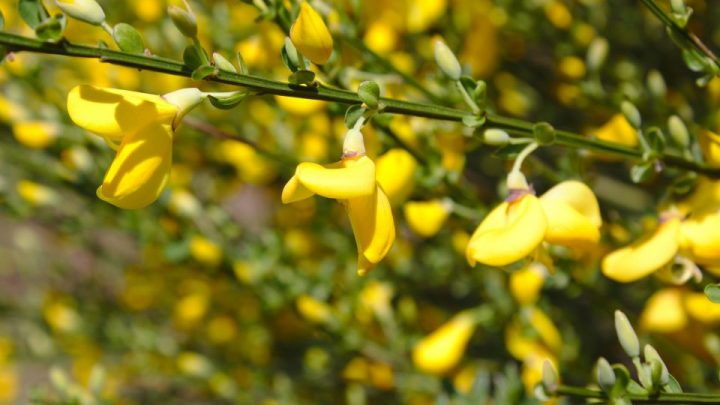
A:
{"x":664,"y":312}
{"x":618,"y":130}
{"x":35,"y":134}
{"x":525,"y":284}
{"x":568,"y":215}
{"x":310,"y":35}
{"x":396,"y":174}
{"x":205,"y":251}
{"x":353,"y":182}
{"x":143,"y":125}
{"x":440,"y":351}
{"x":426,"y":218}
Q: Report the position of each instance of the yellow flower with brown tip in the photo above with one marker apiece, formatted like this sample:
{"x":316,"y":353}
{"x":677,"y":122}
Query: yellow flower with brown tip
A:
{"x":440,"y":351}
{"x":140,"y":126}
{"x":352,"y":180}
{"x":310,"y":35}
{"x":568,"y":215}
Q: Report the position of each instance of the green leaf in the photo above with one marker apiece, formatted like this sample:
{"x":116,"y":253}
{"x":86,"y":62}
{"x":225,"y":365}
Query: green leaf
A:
{"x":353,"y":113}
{"x":203,"y":71}
{"x":128,"y":39}
{"x":673,"y":385}
{"x":684,"y":183}
{"x":229,"y":101}
{"x":509,"y":151}
{"x":289,"y":57}
{"x":656,"y":139}
{"x":241,"y":64}
{"x":222,"y":63}
{"x":694,"y":60}
{"x":473,"y":121}
{"x":52,"y":29}
{"x":712,"y":291}
{"x":32,"y":12}
{"x":2,"y":21}
{"x":369,"y":93}
{"x":302,"y":78}
{"x":194,"y":57}
{"x":642,"y":172}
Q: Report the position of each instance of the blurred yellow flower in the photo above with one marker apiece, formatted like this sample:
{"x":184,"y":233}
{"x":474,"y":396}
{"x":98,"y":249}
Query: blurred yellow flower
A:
{"x":36,"y":194}
{"x":353,"y":181}
{"x":664,"y":312}
{"x":35,"y":134}
{"x":300,"y":106}
{"x":144,"y":125}
{"x":426,"y":218}
{"x":618,"y":130}
{"x":568,"y":215}
{"x":314,"y":310}
{"x":440,"y":351}
{"x":526,"y":283}
{"x":396,"y":174}
{"x":205,"y":251}
{"x":310,"y":35}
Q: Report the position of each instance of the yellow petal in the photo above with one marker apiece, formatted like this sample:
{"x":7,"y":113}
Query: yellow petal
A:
{"x":355,"y":178}
{"x":645,"y":256}
{"x":568,"y":227}
{"x":295,"y":191}
{"x":440,"y":351}
{"x":664,"y":312}
{"x":701,"y":308}
{"x":35,"y":134}
{"x":141,"y":168}
{"x":710,"y":146}
{"x":426,"y":218}
{"x":701,"y":236}
{"x":113,"y":113}
{"x":532,"y":371}
{"x":618,"y":130}
{"x":525,"y":284}
{"x":300,"y":106}
{"x":373,"y":226}
{"x":705,"y":199}
{"x":537,"y":334}
{"x":396,"y":174}
{"x":511,"y":232}
{"x":546,"y":329}
{"x":310,"y":35}
{"x":579,"y":196}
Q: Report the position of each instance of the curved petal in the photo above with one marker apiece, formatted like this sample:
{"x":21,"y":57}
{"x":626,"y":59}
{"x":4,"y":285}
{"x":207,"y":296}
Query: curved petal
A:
{"x":356,"y":178}
{"x":426,"y":218}
{"x":645,"y":256}
{"x":440,"y":351}
{"x":579,"y":196}
{"x":701,"y":308}
{"x":396,"y":174}
{"x":703,"y":200}
{"x":701,"y":237}
{"x":114,"y":113}
{"x":509,"y":234}
{"x":526,"y":283}
{"x":373,"y":226}
{"x":664,"y":312}
{"x":568,"y":227}
{"x":618,"y":130}
{"x":710,"y":146}
{"x":141,"y":168}
{"x":295,"y":191}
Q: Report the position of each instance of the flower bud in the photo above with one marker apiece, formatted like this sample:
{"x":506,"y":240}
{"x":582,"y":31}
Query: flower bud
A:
{"x":597,"y":53}
{"x":605,"y":374}
{"x":222,"y":63}
{"x":88,"y":11}
{"x":310,"y":35}
{"x":656,"y":84}
{"x":626,"y":335}
{"x":631,"y":114}
{"x":678,"y":131}
{"x":446,"y":60}
{"x":495,"y":137}
{"x":517,"y":181}
{"x":184,"y":19}
{"x":678,"y":6}
{"x":185,"y":100}
{"x":354,"y":145}
{"x":652,"y":356}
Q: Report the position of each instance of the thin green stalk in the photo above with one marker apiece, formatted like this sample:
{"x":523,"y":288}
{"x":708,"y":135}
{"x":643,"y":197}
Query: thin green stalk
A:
{"x":659,"y":398}
{"x":16,"y":43}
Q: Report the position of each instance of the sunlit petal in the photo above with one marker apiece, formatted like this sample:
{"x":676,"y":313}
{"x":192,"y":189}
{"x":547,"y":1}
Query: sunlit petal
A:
{"x":355,"y":179}
{"x":568,"y":227}
{"x":440,"y":351}
{"x":664,"y":312}
{"x":701,"y":236}
{"x":579,"y":196}
{"x":374,"y":228}
{"x":426,"y":218}
{"x":295,"y":191}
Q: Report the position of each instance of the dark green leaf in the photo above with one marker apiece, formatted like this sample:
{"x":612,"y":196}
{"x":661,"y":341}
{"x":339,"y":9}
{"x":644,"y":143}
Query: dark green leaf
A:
{"x":128,"y":39}
{"x":353,"y":113}
{"x":194,"y":57}
{"x":32,"y":12}
{"x":52,"y":29}
{"x":683,"y":184}
{"x":203,"y":71}
{"x":468,"y":83}
{"x":712,"y":291}
{"x":656,"y":139}
{"x":228,"y":102}
{"x":509,"y":151}
{"x":302,"y":78}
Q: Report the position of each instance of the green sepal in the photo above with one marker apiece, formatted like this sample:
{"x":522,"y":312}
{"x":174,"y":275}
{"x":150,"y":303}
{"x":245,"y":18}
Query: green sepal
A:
{"x":242,"y":66}
{"x":509,"y":151}
{"x":128,"y":39}
{"x":473,"y":121}
{"x":194,"y":57}
{"x":712,"y":291}
{"x":32,"y":12}
{"x":203,"y":71}
{"x":302,"y":78}
{"x":226,"y":103}
{"x":642,"y":172}
{"x":52,"y":29}
{"x":353,"y":113}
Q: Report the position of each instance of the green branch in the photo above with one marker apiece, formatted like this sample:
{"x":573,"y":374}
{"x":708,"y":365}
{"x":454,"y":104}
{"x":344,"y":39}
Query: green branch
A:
{"x":16,"y":43}
{"x":659,"y":398}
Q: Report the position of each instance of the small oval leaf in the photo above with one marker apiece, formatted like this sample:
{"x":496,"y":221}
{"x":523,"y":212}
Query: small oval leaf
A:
{"x":712,"y":291}
{"x":128,"y":39}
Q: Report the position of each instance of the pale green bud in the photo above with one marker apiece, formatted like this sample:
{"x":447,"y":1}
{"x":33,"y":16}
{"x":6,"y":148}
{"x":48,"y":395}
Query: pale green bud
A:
{"x":656,"y":84}
{"x":184,"y":19}
{"x":678,"y":131}
{"x":652,"y":356}
{"x":354,"y":144}
{"x":597,"y":53}
{"x":605,"y":374}
{"x":88,"y":11}
{"x":631,"y":113}
{"x":446,"y":60}
{"x":222,"y":63}
{"x":626,"y":335}
{"x":495,"y":137}
{"x":678,"y":6}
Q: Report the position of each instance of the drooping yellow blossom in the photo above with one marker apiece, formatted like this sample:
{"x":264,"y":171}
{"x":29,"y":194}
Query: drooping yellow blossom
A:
{"x":310,"y":35}
{"x":671,"y":310}
{"x":526,"y":283}
{"x":440,"y":351}
{"x":426,"y":218}
{"x":35,"y":134}
{"x":143,"y":125}
{"x":618,"y":130}
{"x":568,"y":215}
{"x":396,"y":174}
{"x":353,"y":181}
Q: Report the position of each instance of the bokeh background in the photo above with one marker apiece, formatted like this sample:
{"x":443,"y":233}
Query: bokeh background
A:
{"x":218,"y":293}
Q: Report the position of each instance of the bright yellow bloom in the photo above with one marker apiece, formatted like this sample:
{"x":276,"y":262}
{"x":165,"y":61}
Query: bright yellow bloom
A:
{"x":525,"y":284}
{"x":396,"y":174}
{"x":664,"y":312}
{"x":35,"y":134}
{"x":353,"y":182}
{"x":618,"y":130}
{"x":426,"y":218}
{"x":442,"y":350}
{"x":568,"y":215}
{"x":310,"y":35}
{"x":143,"y":124}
